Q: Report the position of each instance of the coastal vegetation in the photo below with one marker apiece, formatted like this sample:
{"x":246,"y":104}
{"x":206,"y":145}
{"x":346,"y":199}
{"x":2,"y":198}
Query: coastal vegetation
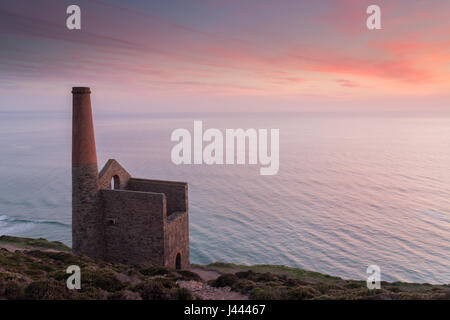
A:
{"x":36,"y":269}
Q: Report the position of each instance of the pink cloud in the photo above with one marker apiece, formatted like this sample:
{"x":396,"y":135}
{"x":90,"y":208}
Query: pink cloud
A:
{"x":158,"y":53}
{"x":347,"y":83}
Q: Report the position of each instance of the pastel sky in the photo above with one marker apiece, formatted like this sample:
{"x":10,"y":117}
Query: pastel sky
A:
{"x":227,"y":55}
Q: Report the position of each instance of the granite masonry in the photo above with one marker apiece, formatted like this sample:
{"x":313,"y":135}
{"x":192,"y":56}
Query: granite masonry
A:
{"x":116,"y":217}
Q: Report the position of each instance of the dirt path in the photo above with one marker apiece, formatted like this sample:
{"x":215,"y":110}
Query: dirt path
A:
{"x":206,"y":274}
{"x":205,"y":292}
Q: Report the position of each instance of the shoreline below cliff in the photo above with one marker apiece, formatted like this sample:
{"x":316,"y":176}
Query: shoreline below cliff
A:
{"x":36,"y":269}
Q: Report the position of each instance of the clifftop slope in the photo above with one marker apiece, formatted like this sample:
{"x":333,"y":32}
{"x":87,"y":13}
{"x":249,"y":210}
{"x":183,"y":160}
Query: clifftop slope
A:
{"x":36,"y":269}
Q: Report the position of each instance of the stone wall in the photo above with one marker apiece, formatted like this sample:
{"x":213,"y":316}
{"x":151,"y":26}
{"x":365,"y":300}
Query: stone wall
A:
{"x":113,"y":169}
{"x":177,"y":240}
{"x":176,"y":192}
{"x":87,"y":216}
{"x":134,"y":226}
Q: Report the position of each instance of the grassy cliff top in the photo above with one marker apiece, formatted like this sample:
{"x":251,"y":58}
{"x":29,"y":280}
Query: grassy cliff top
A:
{"x":282,"y":282}
{"x":29,"y":243}
{"x":36,"y":269}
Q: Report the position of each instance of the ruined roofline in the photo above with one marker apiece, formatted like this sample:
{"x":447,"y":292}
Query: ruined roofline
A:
{"x":117,"y":168}
{"x":108,"y":165}
{"x":113,"y":171}
{"x":124,"y":194}
{"x":132,"y":191}
{"x":167,"y":182}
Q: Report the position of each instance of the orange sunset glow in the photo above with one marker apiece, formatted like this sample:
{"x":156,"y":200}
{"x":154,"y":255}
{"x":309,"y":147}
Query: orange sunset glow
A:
{"x":256,"y":56}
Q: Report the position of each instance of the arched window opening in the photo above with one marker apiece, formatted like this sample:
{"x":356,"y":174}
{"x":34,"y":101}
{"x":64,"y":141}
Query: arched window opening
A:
{"x":115,"y":183}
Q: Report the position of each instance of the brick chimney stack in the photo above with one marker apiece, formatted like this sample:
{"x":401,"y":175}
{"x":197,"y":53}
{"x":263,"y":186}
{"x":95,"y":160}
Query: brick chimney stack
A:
{"x":83,"y":140}
{"x":87,"y":224}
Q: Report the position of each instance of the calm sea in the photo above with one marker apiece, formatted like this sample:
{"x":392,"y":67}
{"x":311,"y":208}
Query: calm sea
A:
{"x":352,"y":190}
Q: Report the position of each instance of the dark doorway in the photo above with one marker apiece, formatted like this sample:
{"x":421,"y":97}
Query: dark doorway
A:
{"x":178,"y":261}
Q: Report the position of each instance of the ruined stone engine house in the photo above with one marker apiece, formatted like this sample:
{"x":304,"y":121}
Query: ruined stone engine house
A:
{"x":116,"y":217}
